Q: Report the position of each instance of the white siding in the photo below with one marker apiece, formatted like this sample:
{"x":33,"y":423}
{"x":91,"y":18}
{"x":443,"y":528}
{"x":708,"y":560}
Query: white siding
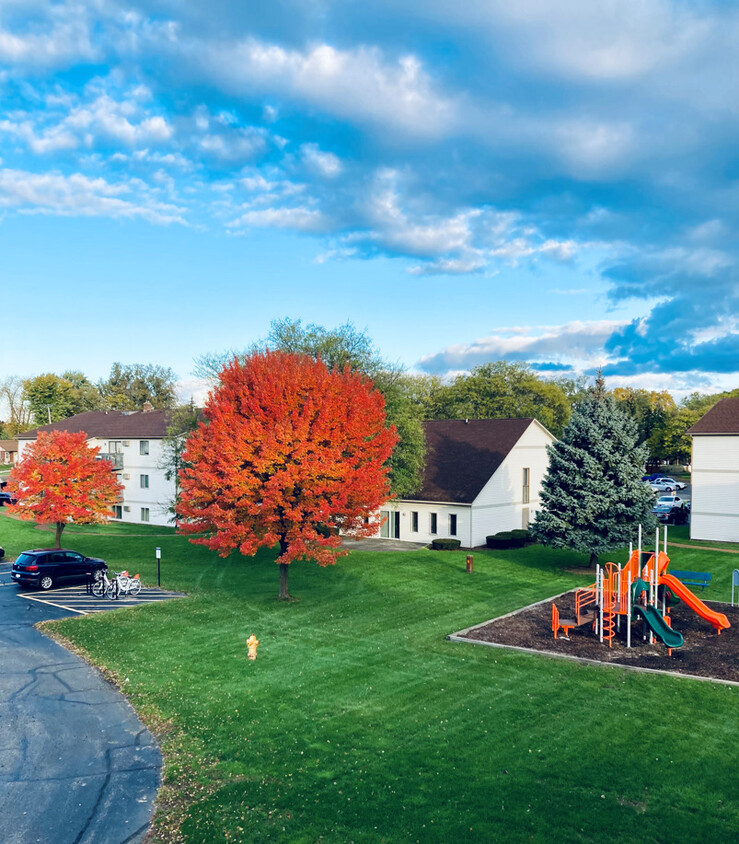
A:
{"x":160,"y":491}
{"x":499,"y":506}
{"x":715,"y":488}
{"x":424,"y":510}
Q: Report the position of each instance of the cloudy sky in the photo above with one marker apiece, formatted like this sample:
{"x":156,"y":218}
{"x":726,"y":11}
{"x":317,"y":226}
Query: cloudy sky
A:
{"x":551,"y":181}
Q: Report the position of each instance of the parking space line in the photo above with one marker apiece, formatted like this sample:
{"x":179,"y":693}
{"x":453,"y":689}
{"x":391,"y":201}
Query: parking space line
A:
{"x":76,"y":599}
{"x":52,"y":604}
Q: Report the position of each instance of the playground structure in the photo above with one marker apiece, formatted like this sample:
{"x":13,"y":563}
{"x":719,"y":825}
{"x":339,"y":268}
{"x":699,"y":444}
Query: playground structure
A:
{"x":636,"y":590}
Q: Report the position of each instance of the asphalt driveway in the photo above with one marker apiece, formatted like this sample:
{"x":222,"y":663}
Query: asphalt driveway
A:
{"x":76,"y":764}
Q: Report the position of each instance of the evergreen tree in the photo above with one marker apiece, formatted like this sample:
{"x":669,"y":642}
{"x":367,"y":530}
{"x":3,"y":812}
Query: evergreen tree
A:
{"x":593,"y":498}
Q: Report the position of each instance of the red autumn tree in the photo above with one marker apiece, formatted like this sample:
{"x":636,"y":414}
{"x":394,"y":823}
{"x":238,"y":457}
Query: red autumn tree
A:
{"x":59,"y":480}
{"x":290,"y":454}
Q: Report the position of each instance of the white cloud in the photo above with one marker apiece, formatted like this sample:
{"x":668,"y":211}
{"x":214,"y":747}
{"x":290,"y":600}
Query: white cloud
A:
{"x":576,"y":343}
{"x":62,"y":36}
{"x":324,"y":163}
{"x":297,"y":218}
{"x":359,"y":83}
{"x":77,"y":195}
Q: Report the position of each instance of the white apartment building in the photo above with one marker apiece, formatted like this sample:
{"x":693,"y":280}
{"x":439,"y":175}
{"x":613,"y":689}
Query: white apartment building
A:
{"x":132,"y":442}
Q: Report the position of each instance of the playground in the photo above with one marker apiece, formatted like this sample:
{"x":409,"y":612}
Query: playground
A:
{"x":640,"y":614}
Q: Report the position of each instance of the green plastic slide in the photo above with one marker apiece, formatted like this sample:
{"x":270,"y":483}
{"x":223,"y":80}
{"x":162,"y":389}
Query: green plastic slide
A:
{"x":670,"y":638}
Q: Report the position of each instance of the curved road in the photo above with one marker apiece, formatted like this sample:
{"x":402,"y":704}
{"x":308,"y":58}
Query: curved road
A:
{"x":76,"y":764}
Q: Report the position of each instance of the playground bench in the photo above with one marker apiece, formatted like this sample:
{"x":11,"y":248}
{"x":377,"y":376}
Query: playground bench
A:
{"x":693,"y":578}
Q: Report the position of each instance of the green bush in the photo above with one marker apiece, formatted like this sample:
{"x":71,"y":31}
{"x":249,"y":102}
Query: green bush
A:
{"x":446,"y":544}
{"x":508,"y":539}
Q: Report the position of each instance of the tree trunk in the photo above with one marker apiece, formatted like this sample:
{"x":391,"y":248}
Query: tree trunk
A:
{"x":59,"y":529}
{"x":593,"y":559}
{"x":284,"y":594}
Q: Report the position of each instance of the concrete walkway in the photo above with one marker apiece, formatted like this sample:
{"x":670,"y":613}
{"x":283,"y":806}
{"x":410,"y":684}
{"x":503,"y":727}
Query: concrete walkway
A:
{"x":76,"y":764}
{"x":374,"y":544}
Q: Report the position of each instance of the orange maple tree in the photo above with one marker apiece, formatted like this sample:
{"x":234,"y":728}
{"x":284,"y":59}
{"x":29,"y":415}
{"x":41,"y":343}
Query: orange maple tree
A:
{"x":290,"y":453}
{"x":59,"y":480}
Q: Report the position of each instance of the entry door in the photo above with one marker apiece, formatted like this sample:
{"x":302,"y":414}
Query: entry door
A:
{"x":395,"y":525}
{"x":385,"y":526}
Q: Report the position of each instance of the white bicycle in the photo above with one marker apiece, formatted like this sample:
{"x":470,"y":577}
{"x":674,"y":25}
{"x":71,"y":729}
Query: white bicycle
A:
{"x":122,"y":583}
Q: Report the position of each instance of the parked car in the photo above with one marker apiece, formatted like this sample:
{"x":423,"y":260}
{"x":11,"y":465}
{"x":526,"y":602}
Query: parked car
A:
{"x":6,"y":498}
{"x":667,"y":514}
{"x":2,"y":553}
{"x":653,"y":477}
{"x":46,"y":567}
{"x":671,"y":500}
{"x":668,"y":484}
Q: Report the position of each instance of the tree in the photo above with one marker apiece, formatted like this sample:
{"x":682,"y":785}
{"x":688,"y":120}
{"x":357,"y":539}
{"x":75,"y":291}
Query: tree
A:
{"x":129,"y":387}
{"x":290,"y":453}
{"x":338,"y":348}
{"x":593,"y":496}
{"x":60,"y":480}
{"x":648,"y":408}
{"x":12,"y":393}
{"x":502,"y":390}
{"x":53,"y":397}
{"x":183,"y":421}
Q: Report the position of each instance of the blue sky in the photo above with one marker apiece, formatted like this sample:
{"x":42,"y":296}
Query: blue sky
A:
{"x":553,"y":182}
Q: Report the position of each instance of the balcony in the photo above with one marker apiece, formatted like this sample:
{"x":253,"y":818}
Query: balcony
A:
{"x":114,"y":458}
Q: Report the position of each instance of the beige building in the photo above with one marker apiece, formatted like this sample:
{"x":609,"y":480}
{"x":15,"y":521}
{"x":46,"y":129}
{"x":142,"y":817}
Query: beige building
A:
{"x":714,"y":510}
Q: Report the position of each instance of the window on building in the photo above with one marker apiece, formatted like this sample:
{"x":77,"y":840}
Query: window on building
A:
{"x":144,"y":479}
{"x":115,"y":447}
{"x":452,"y":524}
{"x":414,"y":521}
{"x":144,"y":447}
{"x":433,"y":523}
{"x":526,"y":479}
{"x":117,"y":511}
{"x":144,"y":514}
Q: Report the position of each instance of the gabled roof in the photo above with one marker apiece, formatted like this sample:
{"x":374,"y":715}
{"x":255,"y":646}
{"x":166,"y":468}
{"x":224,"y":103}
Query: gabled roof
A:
{"x":462,"y":456}
{"x":111,"y":424}
{"x":9,"y":445}
{"x":722,"y":418}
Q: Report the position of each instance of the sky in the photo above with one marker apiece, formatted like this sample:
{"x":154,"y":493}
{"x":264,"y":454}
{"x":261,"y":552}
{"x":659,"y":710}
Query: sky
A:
{"x":548,"y":181}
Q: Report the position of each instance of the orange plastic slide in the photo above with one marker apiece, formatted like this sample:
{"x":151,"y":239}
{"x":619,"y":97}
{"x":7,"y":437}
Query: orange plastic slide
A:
{"x":717,"y":619}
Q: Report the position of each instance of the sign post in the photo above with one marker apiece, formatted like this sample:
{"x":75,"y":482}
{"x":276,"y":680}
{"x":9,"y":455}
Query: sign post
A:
{"x":159,"y":561}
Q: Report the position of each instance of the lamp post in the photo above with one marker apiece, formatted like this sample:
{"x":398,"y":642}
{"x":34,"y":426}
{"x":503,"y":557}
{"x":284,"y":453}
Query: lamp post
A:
{"x":159,"y":561}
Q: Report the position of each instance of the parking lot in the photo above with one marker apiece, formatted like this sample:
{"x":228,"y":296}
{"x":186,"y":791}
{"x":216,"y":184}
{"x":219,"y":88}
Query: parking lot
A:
{"x":76,"y":599}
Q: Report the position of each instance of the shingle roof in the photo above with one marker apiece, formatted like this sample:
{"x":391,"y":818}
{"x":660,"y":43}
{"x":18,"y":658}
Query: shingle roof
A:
{"x":113,"y":424}
{"x":722,"y":418}
{"x":461,"y":457}
{"x":9,"y":445}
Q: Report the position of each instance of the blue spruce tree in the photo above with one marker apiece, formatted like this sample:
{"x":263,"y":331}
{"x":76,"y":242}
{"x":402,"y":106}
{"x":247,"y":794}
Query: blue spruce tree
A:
{"x":593,"y":498}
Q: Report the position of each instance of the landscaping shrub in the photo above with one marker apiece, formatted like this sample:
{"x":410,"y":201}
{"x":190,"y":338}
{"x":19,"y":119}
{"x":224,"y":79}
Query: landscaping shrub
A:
{"x":508,"y":539}
{"x":445,"y":544}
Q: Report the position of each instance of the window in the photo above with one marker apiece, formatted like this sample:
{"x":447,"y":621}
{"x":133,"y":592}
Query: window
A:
{"x":115,"y":447}
{"x":144,"y":514}
{"x":144,"y":447}
{"x":526,"y":478}
{"x":452,"y":524}
{"x":117,"y":511}
{"x":144,"y":479}
{"x":414,"y":521}
{"x":433,"y":521}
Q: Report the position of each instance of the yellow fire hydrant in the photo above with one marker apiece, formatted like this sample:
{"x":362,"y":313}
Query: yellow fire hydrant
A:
{"x":251,"y":644}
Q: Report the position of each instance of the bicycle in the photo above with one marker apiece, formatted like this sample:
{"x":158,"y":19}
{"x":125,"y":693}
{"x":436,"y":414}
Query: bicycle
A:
{"x":123,"y":583}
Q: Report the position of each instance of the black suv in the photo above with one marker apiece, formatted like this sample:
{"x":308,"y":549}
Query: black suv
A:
{"x":45,"y":567}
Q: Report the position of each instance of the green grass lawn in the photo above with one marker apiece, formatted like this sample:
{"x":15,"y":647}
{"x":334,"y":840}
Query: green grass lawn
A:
{"x":360,"y":722}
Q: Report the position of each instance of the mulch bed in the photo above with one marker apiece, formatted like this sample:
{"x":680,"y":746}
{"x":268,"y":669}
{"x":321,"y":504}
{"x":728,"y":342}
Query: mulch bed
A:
{"x":704,"y":653}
